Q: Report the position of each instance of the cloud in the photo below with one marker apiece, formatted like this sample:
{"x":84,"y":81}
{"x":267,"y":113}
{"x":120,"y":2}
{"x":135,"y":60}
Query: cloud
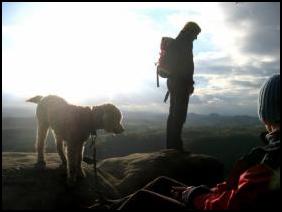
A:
{"x":260,"y":22}
{"x":102,"y":52}
{"x":246,"y":84}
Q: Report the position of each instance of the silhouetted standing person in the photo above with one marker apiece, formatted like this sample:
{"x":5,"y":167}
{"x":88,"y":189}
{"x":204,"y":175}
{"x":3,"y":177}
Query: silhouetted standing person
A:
{"x":180,"y":86}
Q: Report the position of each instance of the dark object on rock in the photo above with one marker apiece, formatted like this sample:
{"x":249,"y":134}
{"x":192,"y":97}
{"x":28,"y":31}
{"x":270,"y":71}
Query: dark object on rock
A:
{"x":132,"y":172}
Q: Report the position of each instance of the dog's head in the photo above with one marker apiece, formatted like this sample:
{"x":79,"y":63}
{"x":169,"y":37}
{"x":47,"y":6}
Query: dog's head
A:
{"x":111,"y":119}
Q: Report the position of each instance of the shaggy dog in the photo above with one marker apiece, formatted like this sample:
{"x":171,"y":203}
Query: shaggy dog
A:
{"x":73,"y":125}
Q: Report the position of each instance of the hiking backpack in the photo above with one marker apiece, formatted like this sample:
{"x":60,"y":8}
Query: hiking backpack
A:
{"x":164,"y":63}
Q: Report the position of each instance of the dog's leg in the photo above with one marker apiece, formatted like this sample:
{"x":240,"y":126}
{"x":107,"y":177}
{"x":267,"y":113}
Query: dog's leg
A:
{"x":71,"y":164}
{"x":60,"y":150}
{"x":80,"y":173}
{"x":41,"y":136}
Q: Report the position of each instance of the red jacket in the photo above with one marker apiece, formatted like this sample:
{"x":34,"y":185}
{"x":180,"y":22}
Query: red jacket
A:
{"x":252,"y":183}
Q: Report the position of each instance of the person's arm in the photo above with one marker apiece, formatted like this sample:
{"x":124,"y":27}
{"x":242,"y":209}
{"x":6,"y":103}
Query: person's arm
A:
{"x":241,"y":165}
{"x":252,"y":183}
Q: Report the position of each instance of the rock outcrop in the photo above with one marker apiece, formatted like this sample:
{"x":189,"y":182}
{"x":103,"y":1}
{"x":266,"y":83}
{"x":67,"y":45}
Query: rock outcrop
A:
{"x":126,"y":174}
{"x":24,"y":187}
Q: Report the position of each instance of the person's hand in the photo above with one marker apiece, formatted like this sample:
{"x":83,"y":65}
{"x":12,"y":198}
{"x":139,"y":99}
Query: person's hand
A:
{"x":191,"y":90}
{"x":176,"y":192}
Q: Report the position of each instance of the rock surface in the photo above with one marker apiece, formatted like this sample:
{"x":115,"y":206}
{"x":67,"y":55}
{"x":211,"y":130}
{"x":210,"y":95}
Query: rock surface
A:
{"x":24,"y":187}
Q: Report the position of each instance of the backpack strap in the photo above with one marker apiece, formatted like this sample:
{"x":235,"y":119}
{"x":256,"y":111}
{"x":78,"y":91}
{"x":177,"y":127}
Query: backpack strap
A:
{"x":158,"y":83}
{"x":166,"y":96}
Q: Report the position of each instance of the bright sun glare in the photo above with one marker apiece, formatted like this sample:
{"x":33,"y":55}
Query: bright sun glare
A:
{"x":95,"y":52}
{"x":82,"y":51}
{"x":78,"y":51}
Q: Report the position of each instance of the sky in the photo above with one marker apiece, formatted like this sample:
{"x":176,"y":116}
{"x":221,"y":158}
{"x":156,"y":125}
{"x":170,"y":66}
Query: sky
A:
{"x":92,"y":53}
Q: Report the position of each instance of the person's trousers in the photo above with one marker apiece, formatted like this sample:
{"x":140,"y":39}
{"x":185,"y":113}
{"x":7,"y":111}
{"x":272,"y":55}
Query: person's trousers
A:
{"x":179,"y":99}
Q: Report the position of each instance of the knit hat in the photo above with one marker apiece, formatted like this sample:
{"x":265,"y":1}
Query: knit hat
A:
{"x":269,"y":100}
{"x":192,"y":26}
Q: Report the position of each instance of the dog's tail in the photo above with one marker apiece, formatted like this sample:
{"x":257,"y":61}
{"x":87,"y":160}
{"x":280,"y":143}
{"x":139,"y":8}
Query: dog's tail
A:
{"x":35,"y":99}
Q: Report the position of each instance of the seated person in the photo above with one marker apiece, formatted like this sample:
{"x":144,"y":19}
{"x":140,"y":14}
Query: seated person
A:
{"x":254,"y":182}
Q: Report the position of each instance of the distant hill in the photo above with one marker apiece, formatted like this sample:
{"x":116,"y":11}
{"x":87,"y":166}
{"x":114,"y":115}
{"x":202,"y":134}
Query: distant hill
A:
{"x":216,"y":120}
{"x":18,"y":122}
{"x":27,"y":111}
{"x":225,"y":137}
{"x":137,"y":119}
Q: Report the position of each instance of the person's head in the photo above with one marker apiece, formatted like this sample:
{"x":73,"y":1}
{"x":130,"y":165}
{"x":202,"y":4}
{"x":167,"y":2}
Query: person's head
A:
{"x":193,"y":28}
{"x":269,"y":103}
